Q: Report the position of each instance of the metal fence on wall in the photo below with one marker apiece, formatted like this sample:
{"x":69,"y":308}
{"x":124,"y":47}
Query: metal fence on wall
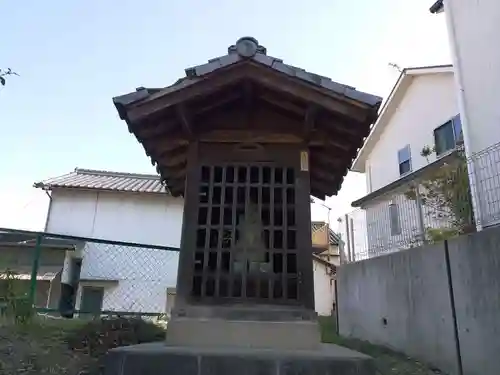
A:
{"x":430,"y":205}
{"x":75,"y":276}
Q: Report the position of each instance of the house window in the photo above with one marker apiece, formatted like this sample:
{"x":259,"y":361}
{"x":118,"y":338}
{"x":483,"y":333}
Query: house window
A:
{"x":394,"y":219}
{"x":448,"y":135}
{"x":91,"y":301}
{"x":404,"y":160}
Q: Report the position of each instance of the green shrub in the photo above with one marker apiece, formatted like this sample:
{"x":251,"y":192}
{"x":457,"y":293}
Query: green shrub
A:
{"x":98,"y":336}
{"x":15,"y":303}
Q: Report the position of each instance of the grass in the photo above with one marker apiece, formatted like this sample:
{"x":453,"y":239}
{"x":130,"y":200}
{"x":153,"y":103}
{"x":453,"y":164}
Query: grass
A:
{"x":387,"y":362}
{"x":41,"y":347}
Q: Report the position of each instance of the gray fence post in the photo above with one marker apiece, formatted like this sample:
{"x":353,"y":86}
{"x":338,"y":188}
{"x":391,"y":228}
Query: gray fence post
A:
{"x":351,"y":234}
{"x":348,"y":237}
{"x":420,"y":214}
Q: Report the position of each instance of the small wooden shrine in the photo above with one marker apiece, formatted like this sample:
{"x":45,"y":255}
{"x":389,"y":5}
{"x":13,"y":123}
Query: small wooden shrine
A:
{"x":246,"y":139}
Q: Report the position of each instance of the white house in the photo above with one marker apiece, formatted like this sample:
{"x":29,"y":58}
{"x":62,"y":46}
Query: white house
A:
{"x":121,"y":207}
{"x":420,"y":111}
{"x":132,"y":208}
{"x":473,"y":28}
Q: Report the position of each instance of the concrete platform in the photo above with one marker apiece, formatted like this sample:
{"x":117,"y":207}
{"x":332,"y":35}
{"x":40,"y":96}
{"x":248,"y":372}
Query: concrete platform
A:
{"x":160,"y":359}
{"x":278,"y":335}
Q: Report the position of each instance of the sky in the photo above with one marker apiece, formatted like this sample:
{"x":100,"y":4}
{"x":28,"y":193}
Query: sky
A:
{"x":73,"y":57}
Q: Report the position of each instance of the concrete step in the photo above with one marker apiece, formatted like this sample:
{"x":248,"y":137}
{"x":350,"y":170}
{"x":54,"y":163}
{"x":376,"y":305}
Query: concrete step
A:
{"x":160,"y":359}
{"x":285,"y":335}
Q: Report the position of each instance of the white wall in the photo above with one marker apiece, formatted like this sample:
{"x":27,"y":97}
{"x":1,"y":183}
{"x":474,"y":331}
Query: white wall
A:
{"x":429,"y":102}
{"x":474,"y":28}
{"x":142,"y":275}
{"x":324,"y":289}
{"x":128,"y":217}
{"x":477,"y":29}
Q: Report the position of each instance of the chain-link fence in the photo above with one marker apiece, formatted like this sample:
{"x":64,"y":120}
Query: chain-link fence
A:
{"x":449,"y":197}
{"x":75,"y":276}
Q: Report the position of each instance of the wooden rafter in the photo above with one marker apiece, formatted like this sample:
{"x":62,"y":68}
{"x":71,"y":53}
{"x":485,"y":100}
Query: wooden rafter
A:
{"x":309,"y":121}
{"x":182,"y":114}
{"x":247,"y":70}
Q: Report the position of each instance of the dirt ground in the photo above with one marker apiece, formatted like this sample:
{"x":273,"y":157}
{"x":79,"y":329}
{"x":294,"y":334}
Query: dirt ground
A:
{"x":41,"y":348}
{"x":387,"y":361}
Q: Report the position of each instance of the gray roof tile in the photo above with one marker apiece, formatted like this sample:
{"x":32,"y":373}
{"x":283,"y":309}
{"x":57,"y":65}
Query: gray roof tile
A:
{"x":260,"y":56}
{"x":105,"y":180}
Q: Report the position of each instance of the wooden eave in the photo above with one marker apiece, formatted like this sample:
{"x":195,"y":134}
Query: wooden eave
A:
{"x":248,"y":70}
{"x":247,"y":102}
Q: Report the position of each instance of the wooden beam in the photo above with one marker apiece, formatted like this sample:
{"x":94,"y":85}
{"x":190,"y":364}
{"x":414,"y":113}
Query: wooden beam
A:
{"x":184,"y":119}
{"x":248,"y":103}
{"x":309,"y":121}
{"x":248,"y":135}
{"x":177,"y":174}
{"x":231,"y":97}
{"x":168,"y":159}
{"x":351,"y":128}
{"x":263,"y":75}
{"x":319,"y":186}
{"x":335,"y":140}
{"x":323,"y":97}
{"x":284,"y":104}
{"x":326,"y":159}
{"x":159,"y":146}
{"x":162,"y":100}
{"x":320,"y":174}
{"x":153,"y":131}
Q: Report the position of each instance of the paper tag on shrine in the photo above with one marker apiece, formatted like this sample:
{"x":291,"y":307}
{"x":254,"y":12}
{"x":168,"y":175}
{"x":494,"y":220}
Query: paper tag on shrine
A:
{"x":304,"y":161}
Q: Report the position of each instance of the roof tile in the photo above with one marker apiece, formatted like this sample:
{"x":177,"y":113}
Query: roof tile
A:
{"x":105,"y":180}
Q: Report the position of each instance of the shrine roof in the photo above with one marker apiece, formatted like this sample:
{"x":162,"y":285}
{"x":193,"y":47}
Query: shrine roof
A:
{"x":258,"y":55}
{"x":294,"y":106}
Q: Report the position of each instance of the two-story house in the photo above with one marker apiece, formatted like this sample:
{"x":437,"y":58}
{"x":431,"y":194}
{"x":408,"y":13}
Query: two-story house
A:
{"x":135,"y":208}
{"x":473,"y":29}
{"x":420,"y":111}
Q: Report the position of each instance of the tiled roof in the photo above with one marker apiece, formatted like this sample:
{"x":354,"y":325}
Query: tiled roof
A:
{"x":105,"y":180}
{"x":334,"y":237}
{"x":247,"y":48}
{"x":437,"y":6}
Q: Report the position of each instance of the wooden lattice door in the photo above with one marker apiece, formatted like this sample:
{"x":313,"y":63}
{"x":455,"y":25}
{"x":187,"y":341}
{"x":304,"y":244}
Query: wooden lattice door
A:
{"x":246,"y":234}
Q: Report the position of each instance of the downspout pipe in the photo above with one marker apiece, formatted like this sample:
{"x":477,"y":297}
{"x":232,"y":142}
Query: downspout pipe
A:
{"x":48,"y":211}
{"x":464,"y":114}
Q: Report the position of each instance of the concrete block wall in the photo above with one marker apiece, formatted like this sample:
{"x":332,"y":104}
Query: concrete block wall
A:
{"x":439,"y":303}
{"x":475,"y":275}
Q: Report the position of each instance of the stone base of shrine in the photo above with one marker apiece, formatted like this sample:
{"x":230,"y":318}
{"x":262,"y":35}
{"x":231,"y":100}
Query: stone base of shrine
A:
{"x":159,"y":358}
{"x":279,"y":335}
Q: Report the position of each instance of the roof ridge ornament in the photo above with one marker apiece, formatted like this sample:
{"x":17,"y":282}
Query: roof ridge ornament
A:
{"x":247,"y":47}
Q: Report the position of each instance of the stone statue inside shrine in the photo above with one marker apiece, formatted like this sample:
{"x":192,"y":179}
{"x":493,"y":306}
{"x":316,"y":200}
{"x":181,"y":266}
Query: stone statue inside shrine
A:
{"x":250,"y":249}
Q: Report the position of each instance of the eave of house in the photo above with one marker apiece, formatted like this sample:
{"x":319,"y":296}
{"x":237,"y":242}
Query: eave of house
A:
{"x":407,"y":179}
{"x":437,"y":7}
{"x":89,"y":179}
{"x":390,"y":107}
